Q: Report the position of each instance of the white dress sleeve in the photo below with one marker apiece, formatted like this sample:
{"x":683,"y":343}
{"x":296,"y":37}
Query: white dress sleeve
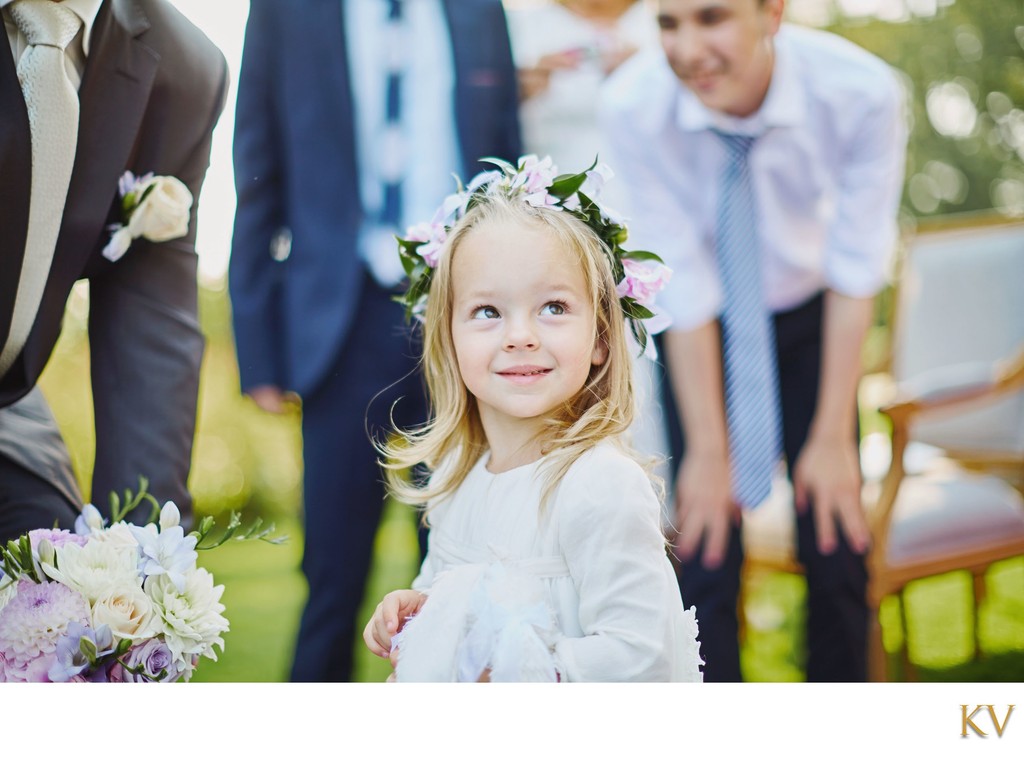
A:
{"x":630,"y":610}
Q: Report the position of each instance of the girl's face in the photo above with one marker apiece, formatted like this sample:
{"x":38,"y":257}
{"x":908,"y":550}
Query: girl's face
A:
{"x":523,"y":325}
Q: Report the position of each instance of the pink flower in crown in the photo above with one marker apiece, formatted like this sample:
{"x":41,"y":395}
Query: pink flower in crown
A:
{"x":536,"y":174}
{"x":432,"y":237}
{"x":643,"y":280}
{"x":534,"y":178}
{"x":420,"y":233}
{"x":594,"y":184}
{"x":451,"y":209}
{"x":483,"y":178}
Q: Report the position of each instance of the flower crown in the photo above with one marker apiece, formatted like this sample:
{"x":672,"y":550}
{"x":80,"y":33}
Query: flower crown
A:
{"x":639,"y":275}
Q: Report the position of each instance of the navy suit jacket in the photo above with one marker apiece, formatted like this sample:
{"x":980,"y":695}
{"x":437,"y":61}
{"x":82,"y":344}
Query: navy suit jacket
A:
{"x":296,"y":169}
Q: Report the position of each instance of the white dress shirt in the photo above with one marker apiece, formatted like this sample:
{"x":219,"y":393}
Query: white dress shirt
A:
{"x":827,"y":172}
{"x":425,"y":153}
{"x":75,"y":53}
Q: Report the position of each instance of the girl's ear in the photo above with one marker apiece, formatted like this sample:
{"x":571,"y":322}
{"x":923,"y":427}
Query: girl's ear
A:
{"x":600,"y":353}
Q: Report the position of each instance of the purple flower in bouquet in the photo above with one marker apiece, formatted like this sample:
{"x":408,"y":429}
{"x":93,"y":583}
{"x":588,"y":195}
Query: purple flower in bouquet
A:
{"x":152,"y":657}
{"x":57,"y":538}
{"x":69,"y":660}
{"x":32,"y":623}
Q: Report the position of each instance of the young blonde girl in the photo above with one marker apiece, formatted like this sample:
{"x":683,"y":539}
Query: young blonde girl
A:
{"x":545,"y":558}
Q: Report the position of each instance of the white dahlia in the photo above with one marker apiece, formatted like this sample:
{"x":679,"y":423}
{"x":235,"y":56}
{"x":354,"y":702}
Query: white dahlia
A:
{"x":190,"y":620}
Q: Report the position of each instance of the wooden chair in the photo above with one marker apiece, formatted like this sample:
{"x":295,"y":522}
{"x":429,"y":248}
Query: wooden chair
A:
{"x":957,"y":384}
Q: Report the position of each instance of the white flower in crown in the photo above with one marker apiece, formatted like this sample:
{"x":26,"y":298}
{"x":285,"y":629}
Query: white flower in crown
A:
{"x":152,"y":207}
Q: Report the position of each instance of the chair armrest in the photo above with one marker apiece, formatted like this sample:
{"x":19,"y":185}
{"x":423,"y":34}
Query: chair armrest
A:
{"x":957,"y":386}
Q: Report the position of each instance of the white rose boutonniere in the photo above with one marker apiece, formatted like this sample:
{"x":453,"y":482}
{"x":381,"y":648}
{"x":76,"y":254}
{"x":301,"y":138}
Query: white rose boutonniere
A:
{"x":154,"y":207}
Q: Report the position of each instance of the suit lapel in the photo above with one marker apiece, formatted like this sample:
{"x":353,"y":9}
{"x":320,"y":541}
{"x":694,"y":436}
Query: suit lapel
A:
{"x":115,"y":90}
{"x":15,"y":185}
{"x":335,"y":67}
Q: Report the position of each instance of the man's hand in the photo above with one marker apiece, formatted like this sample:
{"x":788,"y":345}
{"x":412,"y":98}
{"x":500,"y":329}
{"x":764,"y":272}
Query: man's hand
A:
{"x":704,"y":507}
{"x":269,"y":398}
{"x":827,"y":475}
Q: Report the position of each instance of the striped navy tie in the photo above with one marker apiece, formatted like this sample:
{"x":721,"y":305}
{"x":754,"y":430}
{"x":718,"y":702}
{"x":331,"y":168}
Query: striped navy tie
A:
{"x":748,"y":333}
{"x":391,"y":208}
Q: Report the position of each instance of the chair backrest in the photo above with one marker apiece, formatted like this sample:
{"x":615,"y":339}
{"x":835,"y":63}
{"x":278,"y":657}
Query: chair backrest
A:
{"x":960,"y":309}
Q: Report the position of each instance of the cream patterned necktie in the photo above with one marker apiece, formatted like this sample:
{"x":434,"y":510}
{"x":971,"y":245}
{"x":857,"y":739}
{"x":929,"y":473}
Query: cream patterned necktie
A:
{"x":52,"y":103}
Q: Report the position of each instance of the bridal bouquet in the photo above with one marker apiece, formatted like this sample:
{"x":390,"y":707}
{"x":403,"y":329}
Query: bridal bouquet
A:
{"x":117,"y":603}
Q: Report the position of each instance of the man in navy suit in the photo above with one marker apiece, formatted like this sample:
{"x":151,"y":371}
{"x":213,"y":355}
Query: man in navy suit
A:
{"x":351,"y":118}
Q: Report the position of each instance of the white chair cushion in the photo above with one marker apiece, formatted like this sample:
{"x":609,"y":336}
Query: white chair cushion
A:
{"x":948,"y":512}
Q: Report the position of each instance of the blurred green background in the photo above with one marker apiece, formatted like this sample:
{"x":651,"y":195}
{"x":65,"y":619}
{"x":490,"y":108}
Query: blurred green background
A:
{"x":964,"y":74}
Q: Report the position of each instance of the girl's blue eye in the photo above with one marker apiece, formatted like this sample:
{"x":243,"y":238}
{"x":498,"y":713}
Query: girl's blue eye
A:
{"x":555,"y":308}
{"x":485,"y":312}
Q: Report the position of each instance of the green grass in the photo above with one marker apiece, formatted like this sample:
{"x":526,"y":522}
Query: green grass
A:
{"x":244,"y":459}
{"x":265,"y":592}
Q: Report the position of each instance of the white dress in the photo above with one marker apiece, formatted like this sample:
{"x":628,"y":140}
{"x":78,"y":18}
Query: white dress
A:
{"x":583,"y":592}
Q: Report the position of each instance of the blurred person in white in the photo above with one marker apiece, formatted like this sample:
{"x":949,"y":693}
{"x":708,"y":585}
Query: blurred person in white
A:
{"x":564,"y":50}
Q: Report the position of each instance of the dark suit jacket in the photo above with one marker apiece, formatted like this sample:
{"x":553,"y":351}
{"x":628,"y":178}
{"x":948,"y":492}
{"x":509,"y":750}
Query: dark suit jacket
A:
{"x":152,"y":91}
{"x":296,"y":168}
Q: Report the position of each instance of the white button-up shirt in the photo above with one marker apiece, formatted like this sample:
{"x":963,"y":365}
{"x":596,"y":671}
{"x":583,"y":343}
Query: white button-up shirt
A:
{"x":424,"y":152}
{"x":827,"y":171}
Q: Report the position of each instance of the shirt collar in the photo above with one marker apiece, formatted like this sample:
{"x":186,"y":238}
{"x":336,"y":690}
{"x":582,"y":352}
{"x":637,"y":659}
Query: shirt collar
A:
{"x":784,"y":104}
{"x":86,"y":10}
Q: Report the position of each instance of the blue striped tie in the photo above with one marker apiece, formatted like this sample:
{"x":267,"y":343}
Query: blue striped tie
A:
{"x":748,"y":334}
{"x":391,"y":208}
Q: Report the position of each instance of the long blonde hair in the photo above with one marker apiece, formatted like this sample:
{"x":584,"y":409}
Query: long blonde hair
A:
{"x":602,"y":409}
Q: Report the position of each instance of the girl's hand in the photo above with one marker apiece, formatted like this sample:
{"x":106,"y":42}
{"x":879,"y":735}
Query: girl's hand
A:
{"x":389,"y":618}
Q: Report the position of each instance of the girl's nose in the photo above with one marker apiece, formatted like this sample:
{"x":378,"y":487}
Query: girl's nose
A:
{"x":520,"y":335}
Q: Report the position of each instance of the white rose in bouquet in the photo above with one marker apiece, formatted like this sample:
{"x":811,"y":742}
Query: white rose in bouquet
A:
{"x":127,"y":611}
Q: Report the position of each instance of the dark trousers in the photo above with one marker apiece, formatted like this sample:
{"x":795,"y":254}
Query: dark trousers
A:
{"x":28,"y":502}
{"x":343,"y":484}
{"x":836,"y":583}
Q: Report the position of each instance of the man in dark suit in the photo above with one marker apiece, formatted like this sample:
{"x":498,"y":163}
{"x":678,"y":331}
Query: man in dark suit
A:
{"x":345,"y":108}
{"x":150,"y":88}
